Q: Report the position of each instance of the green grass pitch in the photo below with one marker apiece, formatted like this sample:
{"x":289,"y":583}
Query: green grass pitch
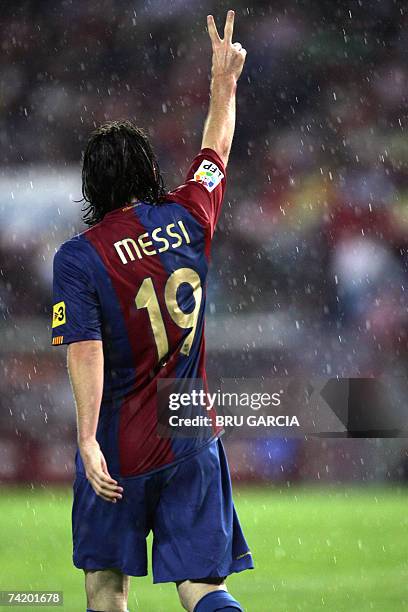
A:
{"x":315,"y":549}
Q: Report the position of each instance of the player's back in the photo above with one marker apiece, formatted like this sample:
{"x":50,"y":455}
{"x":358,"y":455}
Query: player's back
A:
{"x":150,"y":270}
{"x":137,"y":282}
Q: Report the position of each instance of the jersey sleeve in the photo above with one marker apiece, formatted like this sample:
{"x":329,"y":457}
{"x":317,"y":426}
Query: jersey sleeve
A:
{"x":76,"y":313}
{"x":203,"y":190}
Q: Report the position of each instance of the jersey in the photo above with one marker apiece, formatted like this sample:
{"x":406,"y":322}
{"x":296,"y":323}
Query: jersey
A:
{"x":137,"y":282}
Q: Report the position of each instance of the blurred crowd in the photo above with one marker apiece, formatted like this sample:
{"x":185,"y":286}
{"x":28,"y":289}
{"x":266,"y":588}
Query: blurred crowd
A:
{"x":315,"y":222}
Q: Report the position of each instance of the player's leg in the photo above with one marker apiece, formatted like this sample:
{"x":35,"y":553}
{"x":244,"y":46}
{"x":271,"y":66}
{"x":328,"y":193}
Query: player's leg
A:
{"x":110,"y":536}
{"x":207,"y":595}
{"x":106,"y":590}
{"x":197,"y":532}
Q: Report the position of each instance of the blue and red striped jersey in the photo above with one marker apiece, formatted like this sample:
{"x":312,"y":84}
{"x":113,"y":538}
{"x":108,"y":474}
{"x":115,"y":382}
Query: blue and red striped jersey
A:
{"x":137,"y":282}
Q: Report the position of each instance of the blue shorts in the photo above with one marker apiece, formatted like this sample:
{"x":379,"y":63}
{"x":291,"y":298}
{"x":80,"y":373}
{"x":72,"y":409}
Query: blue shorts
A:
{"x":189,"y":509}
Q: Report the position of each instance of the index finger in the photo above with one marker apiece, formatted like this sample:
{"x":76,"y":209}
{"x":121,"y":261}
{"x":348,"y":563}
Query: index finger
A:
{"x":229,"y":26}
{"x":212,"y":30}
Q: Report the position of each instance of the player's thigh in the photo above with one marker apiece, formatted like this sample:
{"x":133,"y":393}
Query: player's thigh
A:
{"x":195,"y":527}
{"x":107,"y":589}
{"x":191,"y":591}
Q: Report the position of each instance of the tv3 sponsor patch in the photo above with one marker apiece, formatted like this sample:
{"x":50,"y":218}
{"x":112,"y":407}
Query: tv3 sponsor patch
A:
{"x":208,"y":174}
{"x":58,"y":314}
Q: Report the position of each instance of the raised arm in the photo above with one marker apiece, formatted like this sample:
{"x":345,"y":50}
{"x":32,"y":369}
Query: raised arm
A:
{"x":227,"y":63}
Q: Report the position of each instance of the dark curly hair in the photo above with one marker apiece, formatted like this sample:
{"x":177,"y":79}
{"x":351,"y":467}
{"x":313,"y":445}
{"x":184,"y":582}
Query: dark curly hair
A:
{"x":118,"y":166}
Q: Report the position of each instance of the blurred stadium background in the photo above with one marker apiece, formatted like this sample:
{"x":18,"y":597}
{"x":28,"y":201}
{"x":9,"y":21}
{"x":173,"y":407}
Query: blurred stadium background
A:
{"x":308,"y":277}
